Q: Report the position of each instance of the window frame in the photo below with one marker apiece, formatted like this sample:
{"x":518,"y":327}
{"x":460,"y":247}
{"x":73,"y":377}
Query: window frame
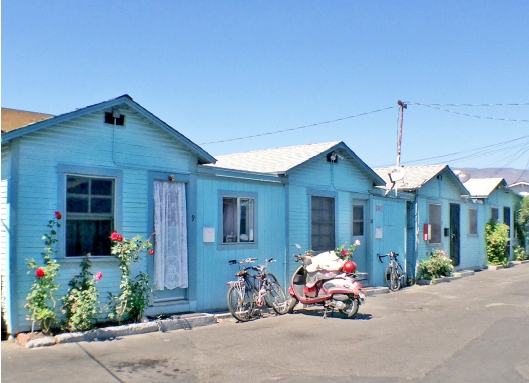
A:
{"x":497,"y":210}
{"x":311,"y":220}
{"x":89,"y":172}
{"x":438,"y":225}
{"x":222,"y":194}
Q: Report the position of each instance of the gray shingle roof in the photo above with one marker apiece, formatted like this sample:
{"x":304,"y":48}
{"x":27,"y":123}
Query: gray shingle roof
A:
{"x":276,"y":161}
{"x":414,"y":176}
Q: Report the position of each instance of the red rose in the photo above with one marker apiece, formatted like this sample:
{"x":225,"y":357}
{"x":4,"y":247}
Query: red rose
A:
{"x":120,"y":238}
{"x":344,"y":252}
{"x":99,"y":275}
{"x":151,"y":252}
{"x":115,"y":236}
{"x":39,"y":273}
{"x":58,"y":215}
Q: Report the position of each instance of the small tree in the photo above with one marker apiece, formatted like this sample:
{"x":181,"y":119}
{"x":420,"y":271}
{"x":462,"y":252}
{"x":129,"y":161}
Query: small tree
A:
{"x":497,"y":240}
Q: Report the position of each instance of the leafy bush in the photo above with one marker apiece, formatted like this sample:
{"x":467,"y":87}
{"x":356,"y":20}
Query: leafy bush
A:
{"x":131,"y":303}
{"x":497,"y":240}
{"x":80,"y":304}
{"x":40,"y":301}
{"x":437,"y":265}
{"x":520,"y":254}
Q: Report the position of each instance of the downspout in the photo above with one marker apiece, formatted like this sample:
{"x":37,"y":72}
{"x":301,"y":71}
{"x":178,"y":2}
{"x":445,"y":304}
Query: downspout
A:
{"x":417,"y":234}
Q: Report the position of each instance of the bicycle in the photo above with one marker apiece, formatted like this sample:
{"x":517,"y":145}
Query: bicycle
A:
{"x":250,"y":292}
{"x":394,"y":273}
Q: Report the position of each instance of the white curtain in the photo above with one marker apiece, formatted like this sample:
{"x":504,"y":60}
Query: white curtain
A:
{"x":170,"y":252}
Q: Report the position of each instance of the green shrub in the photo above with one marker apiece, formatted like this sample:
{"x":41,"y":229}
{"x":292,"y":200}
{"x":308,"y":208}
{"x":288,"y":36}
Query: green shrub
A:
{"x":497,"y":241}
{"x":437,"y":265}
{"x":80,"y":305}
{"x":519,"y":253}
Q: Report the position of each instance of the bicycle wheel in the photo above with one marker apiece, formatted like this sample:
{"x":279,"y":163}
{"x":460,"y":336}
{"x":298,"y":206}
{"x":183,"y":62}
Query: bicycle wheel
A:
{"x":240,"y":304}
{"x":392,"y":279}
{"x":277,"y":299}
{"x":351,"y":308}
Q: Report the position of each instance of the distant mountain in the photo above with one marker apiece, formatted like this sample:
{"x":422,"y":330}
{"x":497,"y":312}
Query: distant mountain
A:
{"x":511,"y":175}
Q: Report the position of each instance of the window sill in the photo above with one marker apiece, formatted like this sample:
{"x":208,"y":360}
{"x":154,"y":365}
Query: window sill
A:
{"x":93,"y":259}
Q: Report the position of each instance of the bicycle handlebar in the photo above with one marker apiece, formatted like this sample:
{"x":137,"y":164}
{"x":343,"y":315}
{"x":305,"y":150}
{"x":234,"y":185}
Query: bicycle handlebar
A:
{"x":391,"y":254}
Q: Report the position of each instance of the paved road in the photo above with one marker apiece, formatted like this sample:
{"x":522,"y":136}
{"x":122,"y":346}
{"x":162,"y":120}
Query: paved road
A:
{"x":475,"y":329}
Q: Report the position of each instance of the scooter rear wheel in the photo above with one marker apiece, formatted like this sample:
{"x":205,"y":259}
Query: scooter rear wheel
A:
{"x":351,"y":308}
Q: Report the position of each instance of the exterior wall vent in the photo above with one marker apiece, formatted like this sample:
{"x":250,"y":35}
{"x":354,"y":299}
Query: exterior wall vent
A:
{"x":114,"y":118}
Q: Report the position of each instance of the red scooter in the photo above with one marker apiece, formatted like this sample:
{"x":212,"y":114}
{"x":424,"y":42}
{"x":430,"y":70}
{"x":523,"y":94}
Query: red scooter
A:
{"x":334,"y":290}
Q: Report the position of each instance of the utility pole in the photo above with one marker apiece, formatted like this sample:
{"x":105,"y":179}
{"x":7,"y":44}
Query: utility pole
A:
{"x":402,"y":106}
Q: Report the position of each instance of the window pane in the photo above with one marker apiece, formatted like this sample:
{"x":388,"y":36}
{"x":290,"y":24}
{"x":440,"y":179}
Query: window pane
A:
{"x":246,"y":226}
{"x":101,"y":187}
{"x":322,"y":223}
{"x":358,"y":220}
{"x":85,"y":237}
{"x":229,"y":220}
{"x":494,"y":214}
{"x":473,"y":221}
{"x":435,"y":221}
{"x":101,"y":205}
{"x":77,"y":205}
{"x":78,"y":185}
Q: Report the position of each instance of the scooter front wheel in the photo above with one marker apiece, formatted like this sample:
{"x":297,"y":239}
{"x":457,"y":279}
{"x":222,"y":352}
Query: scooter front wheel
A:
{"x":351,"y":308}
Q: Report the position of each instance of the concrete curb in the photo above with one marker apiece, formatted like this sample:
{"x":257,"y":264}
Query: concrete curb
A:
{"x":184,"y":322}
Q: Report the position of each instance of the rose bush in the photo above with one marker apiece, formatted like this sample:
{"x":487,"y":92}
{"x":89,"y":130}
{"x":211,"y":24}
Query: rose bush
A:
{"x":346,"y":252}
{"x":80,"y":305}
{"x":40,"y":301}
{"x":437,"y":265}
{"x":130,"y":304}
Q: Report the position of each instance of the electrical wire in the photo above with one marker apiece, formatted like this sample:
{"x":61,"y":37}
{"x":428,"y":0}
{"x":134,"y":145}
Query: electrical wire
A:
{"x":299,"y":127}
{"x":434,"y":106}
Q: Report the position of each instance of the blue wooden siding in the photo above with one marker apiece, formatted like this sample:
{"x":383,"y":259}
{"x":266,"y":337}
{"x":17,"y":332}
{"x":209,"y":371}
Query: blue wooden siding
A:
{"x":345,"y":182}
{"x":87,"y":142}
{"x":212,"y":268}
{"x":389,"y":215}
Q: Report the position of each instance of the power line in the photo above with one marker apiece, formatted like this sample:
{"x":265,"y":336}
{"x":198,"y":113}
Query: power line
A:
{"x":434,"y":106}
{"x":299,"y":127}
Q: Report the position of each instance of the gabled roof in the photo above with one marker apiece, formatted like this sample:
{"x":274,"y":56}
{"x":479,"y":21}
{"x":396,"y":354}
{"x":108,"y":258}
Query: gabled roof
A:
{"x":204,"y":157}
{"x":284,"y":160}
{"x":417,"y":176}
{"x":483,"y":187}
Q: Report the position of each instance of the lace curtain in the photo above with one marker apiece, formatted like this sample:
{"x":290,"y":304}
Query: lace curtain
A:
{"x":170,"y":253}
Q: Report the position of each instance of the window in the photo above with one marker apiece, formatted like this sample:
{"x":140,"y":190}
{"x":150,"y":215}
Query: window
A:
{"x":322,"y":223}
{"x":434,"y":218}
{"x":358,"y":220}
{"x":238,"y":220}
{"x":90,"y":215}
{"x":494,"y":214}
{"x":473,"y":221}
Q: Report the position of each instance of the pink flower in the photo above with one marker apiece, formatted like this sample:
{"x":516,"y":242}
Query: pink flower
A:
{"x":116,"y":237}
{"x":151,"y":252}
{"x":39,"y":273}
{"x":58,"y":215}
{"x":357,"y":243}
{"x":99,"y":275}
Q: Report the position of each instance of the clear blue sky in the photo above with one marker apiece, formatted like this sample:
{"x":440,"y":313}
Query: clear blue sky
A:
{"x":217,"y":70}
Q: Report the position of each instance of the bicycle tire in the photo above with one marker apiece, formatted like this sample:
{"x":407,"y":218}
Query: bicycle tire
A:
{"x":277,"y":298}
{"x":241,"y":307}
{"x":394,"y":279}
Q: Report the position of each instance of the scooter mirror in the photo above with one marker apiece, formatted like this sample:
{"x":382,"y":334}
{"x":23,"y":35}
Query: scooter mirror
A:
{"x":298,"y":246}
